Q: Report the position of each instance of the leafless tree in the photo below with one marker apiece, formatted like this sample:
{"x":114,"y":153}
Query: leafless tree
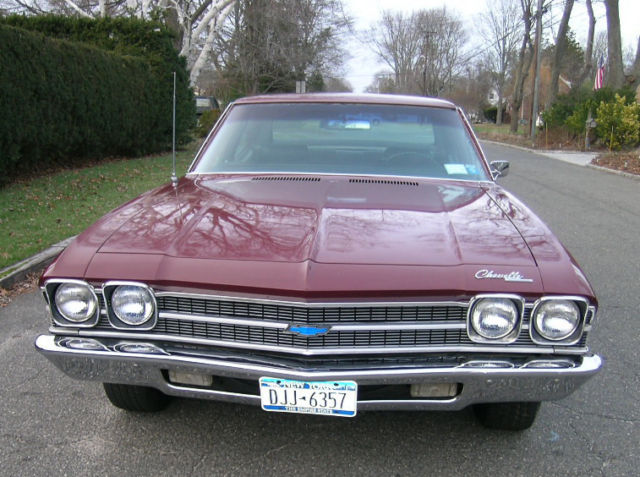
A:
{"x":383,"y":82}
{"x":443,"y":39}
{"x":587,"y":69}
{"x":525,"y":57}
{"x":195,"y":22}
{"x":337,"y":85}
{"x":559,"y":53}
{"x":422,"y":49}
{"x":266,"y":45}
{"x":635,"y":69}
{"x":614,"y":45}
{"x":501,"y":30}
{"x":397,"y":42}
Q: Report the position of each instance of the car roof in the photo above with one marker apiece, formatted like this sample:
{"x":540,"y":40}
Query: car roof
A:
{"x":391,"y":99}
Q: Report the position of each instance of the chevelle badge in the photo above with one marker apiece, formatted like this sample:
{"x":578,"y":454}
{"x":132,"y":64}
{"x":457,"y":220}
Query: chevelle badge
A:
{"x":507,"y":277}
{"x":307,"y":331}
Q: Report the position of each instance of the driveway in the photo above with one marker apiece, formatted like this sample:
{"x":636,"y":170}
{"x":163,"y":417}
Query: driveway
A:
{"x":52,"y":425}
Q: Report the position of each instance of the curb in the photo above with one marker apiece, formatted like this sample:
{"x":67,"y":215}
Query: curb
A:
{"x":548,"y":153}
{"x":514,"y":146}
{"x":615,"y":172}
{"x":19,"y":271}
{"x":589,"y":165}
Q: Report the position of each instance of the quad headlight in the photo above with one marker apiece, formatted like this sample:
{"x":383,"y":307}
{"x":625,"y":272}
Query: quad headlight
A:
{"x":131,"y":305}
{"x":495,"y":319}
{"x":558,"y":320}
{"x":127,"y":305}
{"x":75,"y":302}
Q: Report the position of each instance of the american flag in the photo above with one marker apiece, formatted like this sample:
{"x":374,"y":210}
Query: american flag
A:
{"x":599,"y":82}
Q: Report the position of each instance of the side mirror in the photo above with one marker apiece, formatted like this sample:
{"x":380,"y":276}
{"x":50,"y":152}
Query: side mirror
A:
{"x":499,"y":168}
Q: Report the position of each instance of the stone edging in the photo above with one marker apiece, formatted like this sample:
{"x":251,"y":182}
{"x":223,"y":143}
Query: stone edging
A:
{"x":19,"y":271}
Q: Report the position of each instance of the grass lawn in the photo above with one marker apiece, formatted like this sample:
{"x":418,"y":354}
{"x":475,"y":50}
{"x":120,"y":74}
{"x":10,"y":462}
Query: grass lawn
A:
{"x":503,"y":129}
{"x":39,"y":212}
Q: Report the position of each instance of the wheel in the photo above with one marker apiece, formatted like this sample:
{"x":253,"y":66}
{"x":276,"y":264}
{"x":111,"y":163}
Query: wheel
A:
{"x":508,"y":416}
{"x":136,"y":398}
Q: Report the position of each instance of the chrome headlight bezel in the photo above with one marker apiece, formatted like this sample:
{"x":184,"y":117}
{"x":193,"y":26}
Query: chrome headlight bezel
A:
{"x":110,"y":287}
{"x":511,"y":336}
{"x":538,"y":338}
{"x":51,"y":288}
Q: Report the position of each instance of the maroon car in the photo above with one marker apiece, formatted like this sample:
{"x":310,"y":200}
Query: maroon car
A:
{"x":327,"y":254}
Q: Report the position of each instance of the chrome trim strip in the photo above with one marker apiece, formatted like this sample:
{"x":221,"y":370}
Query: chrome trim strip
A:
{"x":226,"y":321}
{"x":324,"y":351}
{"x":479,"y":384}
{"x":406,"y":325}
{"x":330,"y":174}
{"x":342,"y":326}
{"x":307,"y":304}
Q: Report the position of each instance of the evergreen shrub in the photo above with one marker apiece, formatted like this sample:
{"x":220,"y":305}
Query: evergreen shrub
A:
{"x":86,"y":89}
{"x":619,"y":123}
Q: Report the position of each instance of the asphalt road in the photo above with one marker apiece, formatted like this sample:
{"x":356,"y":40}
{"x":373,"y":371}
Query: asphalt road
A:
{"x":52,"y":425}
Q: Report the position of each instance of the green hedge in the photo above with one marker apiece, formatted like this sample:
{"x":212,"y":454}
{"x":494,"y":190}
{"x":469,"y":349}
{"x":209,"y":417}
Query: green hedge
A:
{"x":99,"y":88}
{"x":571,"y":110}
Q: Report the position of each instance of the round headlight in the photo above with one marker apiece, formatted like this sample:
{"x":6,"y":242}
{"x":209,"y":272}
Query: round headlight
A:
{"x":557,"y":319}
{"x":494,"y":318}
{"x":132,"y":304}
{"x":76,"y":302}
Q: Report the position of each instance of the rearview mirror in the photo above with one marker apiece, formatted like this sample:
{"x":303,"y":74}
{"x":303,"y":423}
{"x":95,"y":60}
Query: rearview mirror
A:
{"x":499,"y":168}
{"x":359,"y":124}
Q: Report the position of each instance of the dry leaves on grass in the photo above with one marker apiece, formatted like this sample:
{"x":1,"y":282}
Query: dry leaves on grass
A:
{"x":621,"y":161}
{"x":27,"y":285}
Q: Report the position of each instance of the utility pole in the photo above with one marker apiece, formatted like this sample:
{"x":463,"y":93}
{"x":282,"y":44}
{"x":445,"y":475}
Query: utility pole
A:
{"x":536,"y":84}
{"x":427,"y":45}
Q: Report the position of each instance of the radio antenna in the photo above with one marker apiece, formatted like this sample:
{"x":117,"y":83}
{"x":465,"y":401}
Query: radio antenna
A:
{"x":174,"y":177}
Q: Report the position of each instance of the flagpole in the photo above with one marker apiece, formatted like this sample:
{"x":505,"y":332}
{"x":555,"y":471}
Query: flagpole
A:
{"x":597,"y":84}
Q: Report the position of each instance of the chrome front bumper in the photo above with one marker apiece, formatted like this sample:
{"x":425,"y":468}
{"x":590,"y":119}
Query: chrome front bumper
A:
{"x":480,"y":381}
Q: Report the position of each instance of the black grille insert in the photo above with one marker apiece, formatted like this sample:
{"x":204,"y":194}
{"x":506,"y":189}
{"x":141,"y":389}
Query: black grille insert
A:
{"x":304,"y":314}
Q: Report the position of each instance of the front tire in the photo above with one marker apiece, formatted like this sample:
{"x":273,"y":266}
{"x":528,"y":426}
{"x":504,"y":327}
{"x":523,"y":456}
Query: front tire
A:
{"x":136,"y":398}
{"x":507,"y":416}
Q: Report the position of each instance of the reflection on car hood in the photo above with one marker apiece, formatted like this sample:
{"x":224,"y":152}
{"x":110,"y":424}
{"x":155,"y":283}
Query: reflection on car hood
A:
{"x":331,"y":220}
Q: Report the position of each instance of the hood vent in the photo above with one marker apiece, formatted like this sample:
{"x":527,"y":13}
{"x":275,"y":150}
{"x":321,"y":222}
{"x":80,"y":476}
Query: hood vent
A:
{"x":284,"y":178}
{"x":382,"y":181}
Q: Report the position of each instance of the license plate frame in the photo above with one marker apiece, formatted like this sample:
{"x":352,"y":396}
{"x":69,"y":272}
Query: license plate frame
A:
{"x":322,"y":398}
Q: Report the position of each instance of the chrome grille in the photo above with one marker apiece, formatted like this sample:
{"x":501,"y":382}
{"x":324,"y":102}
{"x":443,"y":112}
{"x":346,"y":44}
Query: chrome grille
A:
{"x":337,"y":339}
{"x":311,"y":315}
{"x":192,"y":319}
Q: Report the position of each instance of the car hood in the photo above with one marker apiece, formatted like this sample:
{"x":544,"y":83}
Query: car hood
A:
{"x":328,"y":221}
{"x":306,"y":234}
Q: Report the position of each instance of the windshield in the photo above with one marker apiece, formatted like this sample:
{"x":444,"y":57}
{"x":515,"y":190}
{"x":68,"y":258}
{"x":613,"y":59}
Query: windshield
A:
{"x":326,"y":138}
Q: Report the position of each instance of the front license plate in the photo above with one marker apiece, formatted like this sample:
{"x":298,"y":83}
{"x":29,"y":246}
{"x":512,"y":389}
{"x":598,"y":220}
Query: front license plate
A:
{"x":329,"y":398}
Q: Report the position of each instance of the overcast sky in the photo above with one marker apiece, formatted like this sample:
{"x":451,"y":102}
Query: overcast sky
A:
{"x":363,"y":65}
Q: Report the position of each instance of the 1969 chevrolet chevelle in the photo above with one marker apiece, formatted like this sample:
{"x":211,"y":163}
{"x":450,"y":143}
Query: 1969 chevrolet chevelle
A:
{"x":327,"y":254}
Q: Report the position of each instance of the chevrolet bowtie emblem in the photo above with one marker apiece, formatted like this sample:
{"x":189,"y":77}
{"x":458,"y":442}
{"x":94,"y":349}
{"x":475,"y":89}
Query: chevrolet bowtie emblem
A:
{"x":307,"y":331}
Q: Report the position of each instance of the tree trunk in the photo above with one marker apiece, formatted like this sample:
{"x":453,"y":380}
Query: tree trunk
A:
{"x":172,"y":22}
{"x":522,"y":68}
{"x":588,"y":52}
{"x":561,"y":48}
{"x":614,"y":45}
{"x":636,"y":66}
